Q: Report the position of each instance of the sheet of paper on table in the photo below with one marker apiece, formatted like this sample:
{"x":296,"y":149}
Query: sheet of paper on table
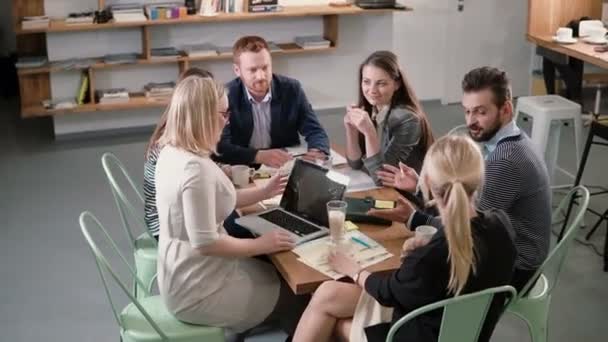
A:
{"x":336,"y":158}
{"x":314,"y":253}
{"x":359,"y":180}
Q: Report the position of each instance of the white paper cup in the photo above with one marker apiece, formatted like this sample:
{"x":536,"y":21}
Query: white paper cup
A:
{"x":425,"y":232}
{"x":240,"y":175}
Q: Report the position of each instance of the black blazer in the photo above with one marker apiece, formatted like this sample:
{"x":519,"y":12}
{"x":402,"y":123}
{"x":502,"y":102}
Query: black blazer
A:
{"x":424,"y":275}
{"x":291,"y":115}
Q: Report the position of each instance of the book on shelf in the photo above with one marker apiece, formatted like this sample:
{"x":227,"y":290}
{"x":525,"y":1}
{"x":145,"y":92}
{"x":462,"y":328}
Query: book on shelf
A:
{"x":213,"y":7}
{"x":169,"y":10}
{"x":31,"y":62}
{"x":35,"y":22}
{"x":128,"y":12}
{"x":159,"y":91}
{"x":264,"y":6}
{"x":83,"y":90}
{"x":68,"y":103}
{"x":112,"y":95}
{"x":200,"y":50}
{"x":74,"y":63}
{"x":121,"y":58}
{"x":273,"y":47}
{"x":312,"y":42}
{"x":81,"y":18}
{"x":224,"y":50}
{"x":165,"y":53}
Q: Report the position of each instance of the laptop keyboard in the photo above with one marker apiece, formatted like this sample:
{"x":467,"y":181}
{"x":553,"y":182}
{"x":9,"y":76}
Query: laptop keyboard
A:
{"x":289,"y":222}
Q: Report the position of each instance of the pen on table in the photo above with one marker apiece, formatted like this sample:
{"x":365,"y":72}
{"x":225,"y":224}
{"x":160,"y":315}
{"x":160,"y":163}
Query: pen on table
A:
{"x":361,"y":242}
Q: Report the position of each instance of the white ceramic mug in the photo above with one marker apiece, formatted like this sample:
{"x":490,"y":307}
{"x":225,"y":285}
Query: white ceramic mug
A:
{"x":241,"y":174}
{"x":564,"y":33}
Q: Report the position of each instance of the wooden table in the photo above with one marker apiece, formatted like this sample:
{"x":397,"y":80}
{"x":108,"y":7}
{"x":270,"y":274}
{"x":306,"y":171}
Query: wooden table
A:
{"x":303,"y":279}
{"x":579,"y":50}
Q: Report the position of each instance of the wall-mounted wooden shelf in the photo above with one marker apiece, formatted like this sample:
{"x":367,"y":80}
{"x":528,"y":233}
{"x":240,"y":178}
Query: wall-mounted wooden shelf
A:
{"x":34,"y":83}
{"x":287,"y":12}
{"x":286,"y":49}
{"x":135,"y":102}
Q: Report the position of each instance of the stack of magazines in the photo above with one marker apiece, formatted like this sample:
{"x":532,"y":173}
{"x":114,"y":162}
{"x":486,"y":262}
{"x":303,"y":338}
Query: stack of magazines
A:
{"x":114,"y":95}
{"x":165,"y":53}
{"x":124,"y":13}
{"x":312,"y":42}
{"x":200,"y":50}
{"x":35,"y":22}
{"x":31,"y":62}
{"x":159,"y":91}
{"x":121,"y":58}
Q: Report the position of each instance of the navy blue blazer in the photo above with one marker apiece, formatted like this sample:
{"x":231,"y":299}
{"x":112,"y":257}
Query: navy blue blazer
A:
{"x":291,"y":115}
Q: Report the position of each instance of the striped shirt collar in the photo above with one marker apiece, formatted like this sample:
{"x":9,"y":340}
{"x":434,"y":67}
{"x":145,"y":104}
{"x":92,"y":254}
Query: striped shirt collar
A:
{"x":266,"y":98}
{"x":507,"y":131}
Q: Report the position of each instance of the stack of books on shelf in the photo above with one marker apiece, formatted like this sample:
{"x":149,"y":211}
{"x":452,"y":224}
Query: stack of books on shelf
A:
{"x":212,"y":7}
{"x":74,"y":63}
{"x":274,"y":47}
{"x":171,"y":10}
{"x":59,"y":104}
{"x":312,"y":42}
{"x":224,"y":50}
{"x":81,"y":18}
{"x":121,"y":58}
{"x":114,"y":95}
{"x":31,"y":62}
{"x":165,"y":53}
{"x":159,"y":91}
{"x":264,"y":6}
{"x":35,"y":22}
{"x":125,"y":13}
{"x":200,"y":50}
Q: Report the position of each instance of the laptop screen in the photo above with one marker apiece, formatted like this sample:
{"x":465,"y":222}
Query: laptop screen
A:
{"x":308,"y":190}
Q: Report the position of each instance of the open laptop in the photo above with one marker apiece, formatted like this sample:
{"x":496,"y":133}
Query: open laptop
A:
{"x":303,"y":208}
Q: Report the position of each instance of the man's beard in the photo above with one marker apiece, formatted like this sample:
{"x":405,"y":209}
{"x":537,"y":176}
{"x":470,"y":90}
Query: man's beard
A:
{"x":486,"y":135}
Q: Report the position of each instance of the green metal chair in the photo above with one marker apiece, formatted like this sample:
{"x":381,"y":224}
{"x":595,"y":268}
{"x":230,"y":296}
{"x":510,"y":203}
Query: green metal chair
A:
{"x":532,"y":303}
{"x":463,"y":316}
{"x":145,"y":247}
{"x":146,"y":319}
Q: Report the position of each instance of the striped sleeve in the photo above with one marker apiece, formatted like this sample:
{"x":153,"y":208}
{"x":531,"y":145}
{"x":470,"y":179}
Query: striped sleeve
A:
{"x":150,"y":211}
{"x":501,"y":188}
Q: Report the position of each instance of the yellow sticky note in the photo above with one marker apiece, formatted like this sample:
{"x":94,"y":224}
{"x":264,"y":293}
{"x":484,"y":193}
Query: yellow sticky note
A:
{"x":384,"y":204}
{"x":350,"y":226}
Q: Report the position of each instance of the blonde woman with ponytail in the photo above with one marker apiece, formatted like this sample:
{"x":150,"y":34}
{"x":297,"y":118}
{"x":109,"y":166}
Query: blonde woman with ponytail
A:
{"x":473,"y":251}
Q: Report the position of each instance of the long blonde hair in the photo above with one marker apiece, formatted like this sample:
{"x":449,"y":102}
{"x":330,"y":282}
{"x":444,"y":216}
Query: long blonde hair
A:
{"x":162,"y":122}
{"x":452,"y":173}
{"x":193,"y":121}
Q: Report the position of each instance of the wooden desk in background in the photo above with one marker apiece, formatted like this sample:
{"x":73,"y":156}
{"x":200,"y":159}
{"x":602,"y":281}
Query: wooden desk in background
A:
{"x":579,"y":50}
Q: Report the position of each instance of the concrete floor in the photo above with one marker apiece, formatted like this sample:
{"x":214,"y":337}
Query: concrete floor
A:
{"x":50,"y":289}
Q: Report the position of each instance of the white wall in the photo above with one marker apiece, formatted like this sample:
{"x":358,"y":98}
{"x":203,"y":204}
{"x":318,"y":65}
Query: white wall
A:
{"x":419,"y":41}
